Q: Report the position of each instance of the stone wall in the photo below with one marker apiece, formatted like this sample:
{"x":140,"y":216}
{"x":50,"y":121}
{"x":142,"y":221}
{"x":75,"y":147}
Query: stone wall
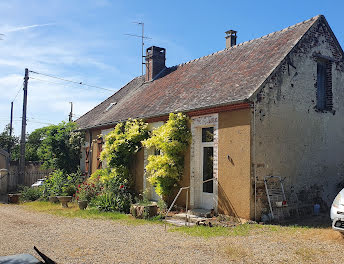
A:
{"x":291,"y":138}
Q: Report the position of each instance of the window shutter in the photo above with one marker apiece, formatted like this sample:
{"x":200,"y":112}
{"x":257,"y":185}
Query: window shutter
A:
{"x":99,"y":150}
{"x":87,"y":160}
{"x":321,"y":89}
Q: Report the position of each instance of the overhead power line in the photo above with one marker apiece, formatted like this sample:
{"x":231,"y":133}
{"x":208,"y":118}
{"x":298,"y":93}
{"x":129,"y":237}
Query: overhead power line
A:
{"x":20,"y":87}
{"x":70,"y":81}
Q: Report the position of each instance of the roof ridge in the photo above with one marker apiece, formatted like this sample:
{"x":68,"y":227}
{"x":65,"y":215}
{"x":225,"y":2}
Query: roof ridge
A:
{"x":248,"y":41}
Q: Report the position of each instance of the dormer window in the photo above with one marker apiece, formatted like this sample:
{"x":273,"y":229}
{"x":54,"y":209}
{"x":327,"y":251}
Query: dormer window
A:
{"x":110,"y":106}
{"x":324,"y":85}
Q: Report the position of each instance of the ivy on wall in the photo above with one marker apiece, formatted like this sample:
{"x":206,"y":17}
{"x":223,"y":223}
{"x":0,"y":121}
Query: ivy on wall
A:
{"x":121,"y":144}
{"x":171,"y":140}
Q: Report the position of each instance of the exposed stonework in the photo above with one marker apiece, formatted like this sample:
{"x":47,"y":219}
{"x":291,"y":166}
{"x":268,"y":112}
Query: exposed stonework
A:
{"x":291,"y":138}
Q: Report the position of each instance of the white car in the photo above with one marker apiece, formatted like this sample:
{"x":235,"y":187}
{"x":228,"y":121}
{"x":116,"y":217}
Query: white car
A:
{"x":337,"y":212}
{"x":38,"y":183}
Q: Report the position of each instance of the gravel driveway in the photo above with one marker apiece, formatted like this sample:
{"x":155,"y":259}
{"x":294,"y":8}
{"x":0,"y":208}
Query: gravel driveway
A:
{"x":74,"y":240}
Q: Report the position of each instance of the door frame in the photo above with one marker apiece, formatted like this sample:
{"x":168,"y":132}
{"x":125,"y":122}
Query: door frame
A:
{"x":204,"y":199}
{"x":197,"y":123}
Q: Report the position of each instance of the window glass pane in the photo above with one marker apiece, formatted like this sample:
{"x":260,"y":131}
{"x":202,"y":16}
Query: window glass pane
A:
{"x":208,"y":154}
{"x":208,"y":134}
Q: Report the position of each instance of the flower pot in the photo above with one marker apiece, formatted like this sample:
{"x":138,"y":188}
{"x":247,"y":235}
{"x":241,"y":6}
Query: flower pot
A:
{"x":53,"y":199}
{"x":64,"y":200}
{"x":14,"y":198}
{"x":82,"y":205}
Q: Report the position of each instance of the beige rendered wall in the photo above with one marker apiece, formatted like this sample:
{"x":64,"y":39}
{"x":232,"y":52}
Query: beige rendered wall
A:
{"x":185,"y":181}
{"x":291,"y":138}
{"x":234,"y":187}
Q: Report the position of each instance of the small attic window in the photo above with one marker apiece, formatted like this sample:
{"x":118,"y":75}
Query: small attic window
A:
{"x":110,"y":106}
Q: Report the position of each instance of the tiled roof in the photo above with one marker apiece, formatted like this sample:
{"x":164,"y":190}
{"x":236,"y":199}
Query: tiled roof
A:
{"x":228,"y":76}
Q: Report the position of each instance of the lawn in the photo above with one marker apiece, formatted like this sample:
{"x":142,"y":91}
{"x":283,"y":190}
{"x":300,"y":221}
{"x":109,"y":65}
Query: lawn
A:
{"x":199,"y":231}
{"x":90,"y":213}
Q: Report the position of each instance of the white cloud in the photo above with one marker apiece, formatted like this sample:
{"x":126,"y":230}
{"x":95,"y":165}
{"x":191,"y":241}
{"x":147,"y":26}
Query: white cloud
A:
{"x":15,"y":29}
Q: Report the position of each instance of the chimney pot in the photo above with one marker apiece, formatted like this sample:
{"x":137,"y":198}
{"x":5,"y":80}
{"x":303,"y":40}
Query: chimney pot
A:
{"x":230,"y":38}
{"x":155,"y":61}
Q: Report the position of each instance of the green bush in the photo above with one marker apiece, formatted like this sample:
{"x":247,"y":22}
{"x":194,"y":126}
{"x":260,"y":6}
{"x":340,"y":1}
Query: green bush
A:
{"x":61,"y":183}
{"x":116,"y":193}
{"x":30,"y":194}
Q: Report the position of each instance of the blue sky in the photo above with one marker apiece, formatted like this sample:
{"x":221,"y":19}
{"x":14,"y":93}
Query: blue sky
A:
{"x":84,"y":41}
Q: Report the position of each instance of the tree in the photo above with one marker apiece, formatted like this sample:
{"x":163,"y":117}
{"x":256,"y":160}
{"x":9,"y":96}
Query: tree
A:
{"x":33,"y":143}
{"x":60,"y":147}
{"x":9,"y":143}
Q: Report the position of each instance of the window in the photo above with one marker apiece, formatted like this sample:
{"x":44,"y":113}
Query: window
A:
{"x":324,"y":85}
{"x":208,"y":134}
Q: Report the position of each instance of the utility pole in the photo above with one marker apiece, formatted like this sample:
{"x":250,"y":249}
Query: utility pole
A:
{"x":142,"y":42}
{"x":11,"y":127}
{"x":11,"y":122}
{"x":23,"y":132}
{"x":71,"y":112}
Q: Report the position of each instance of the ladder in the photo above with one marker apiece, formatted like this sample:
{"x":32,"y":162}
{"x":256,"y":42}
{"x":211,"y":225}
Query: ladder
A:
{"x":276,"y":197}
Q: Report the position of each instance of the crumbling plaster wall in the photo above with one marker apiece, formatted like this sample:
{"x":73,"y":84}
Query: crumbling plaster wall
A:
{"x":291,"y":138}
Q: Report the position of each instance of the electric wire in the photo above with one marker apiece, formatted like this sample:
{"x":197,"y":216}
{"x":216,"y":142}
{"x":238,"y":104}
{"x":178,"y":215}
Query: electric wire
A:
{"x":70,"y":81}
{"x":21,"y":86}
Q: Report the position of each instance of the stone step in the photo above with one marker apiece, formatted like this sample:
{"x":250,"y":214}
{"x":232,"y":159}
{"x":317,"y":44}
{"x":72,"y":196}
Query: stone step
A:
{"x":178,"y":222}
{"x":200,"y":212}
{"x":192,"y":218}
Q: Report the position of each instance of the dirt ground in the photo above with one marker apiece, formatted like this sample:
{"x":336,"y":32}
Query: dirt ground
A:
{"x":75,"y":240}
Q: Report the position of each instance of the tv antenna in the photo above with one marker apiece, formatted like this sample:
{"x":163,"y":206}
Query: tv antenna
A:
{"x":142,"y":41}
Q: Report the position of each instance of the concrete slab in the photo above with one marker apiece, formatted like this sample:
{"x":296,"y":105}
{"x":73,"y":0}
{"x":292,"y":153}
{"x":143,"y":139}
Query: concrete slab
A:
{"x":178,"y":222}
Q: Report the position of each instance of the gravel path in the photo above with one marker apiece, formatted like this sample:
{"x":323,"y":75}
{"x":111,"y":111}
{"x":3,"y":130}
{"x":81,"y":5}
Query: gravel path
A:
{"x":74,"y":240}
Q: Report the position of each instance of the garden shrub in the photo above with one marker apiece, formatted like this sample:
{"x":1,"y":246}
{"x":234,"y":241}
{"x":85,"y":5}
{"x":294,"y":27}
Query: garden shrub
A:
{"x":61,"y":183}
{"x":116,"y":193}
{"x":117,"y":182}
{"x":89,"y":189}
{"x":171,"y":140}
{"x":30,"y":194}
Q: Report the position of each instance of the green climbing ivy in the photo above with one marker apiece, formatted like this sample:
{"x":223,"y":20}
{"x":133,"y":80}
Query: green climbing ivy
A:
{"x":121,"y":144}
{"x":171,"y":140}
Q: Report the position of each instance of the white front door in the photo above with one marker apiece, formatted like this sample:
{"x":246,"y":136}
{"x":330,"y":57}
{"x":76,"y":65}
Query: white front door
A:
{"x":207,"y":169}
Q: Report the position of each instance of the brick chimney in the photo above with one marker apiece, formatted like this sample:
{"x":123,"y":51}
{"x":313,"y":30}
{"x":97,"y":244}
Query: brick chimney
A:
{"x":230,"y":38}
{"x":155,"y":62}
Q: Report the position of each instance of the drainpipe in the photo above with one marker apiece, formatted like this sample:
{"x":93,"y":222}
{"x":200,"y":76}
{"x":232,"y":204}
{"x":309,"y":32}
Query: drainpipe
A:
{"x":254,"y":161}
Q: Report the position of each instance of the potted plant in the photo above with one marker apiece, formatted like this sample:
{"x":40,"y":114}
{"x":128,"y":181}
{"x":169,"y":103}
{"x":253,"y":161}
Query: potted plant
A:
{"x":82,"y":197}
{"x":85,"y":192}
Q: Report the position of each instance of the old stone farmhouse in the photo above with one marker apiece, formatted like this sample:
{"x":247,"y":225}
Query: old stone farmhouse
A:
{"x":274,"y":105}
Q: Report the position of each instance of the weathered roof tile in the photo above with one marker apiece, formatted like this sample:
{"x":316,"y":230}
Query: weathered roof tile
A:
{"x":224,"y":77}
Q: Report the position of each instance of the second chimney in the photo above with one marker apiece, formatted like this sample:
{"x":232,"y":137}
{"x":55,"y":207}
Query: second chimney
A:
{"x":155,"y":62}
{"x":230,"y":38}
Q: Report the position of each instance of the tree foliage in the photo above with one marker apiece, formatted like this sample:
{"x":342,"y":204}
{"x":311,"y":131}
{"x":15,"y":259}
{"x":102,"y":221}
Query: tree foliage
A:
{"x":60,"y":148}
{"x":9,"y":143}
{"x":33,"y":143}
{"x":171,"y":140}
